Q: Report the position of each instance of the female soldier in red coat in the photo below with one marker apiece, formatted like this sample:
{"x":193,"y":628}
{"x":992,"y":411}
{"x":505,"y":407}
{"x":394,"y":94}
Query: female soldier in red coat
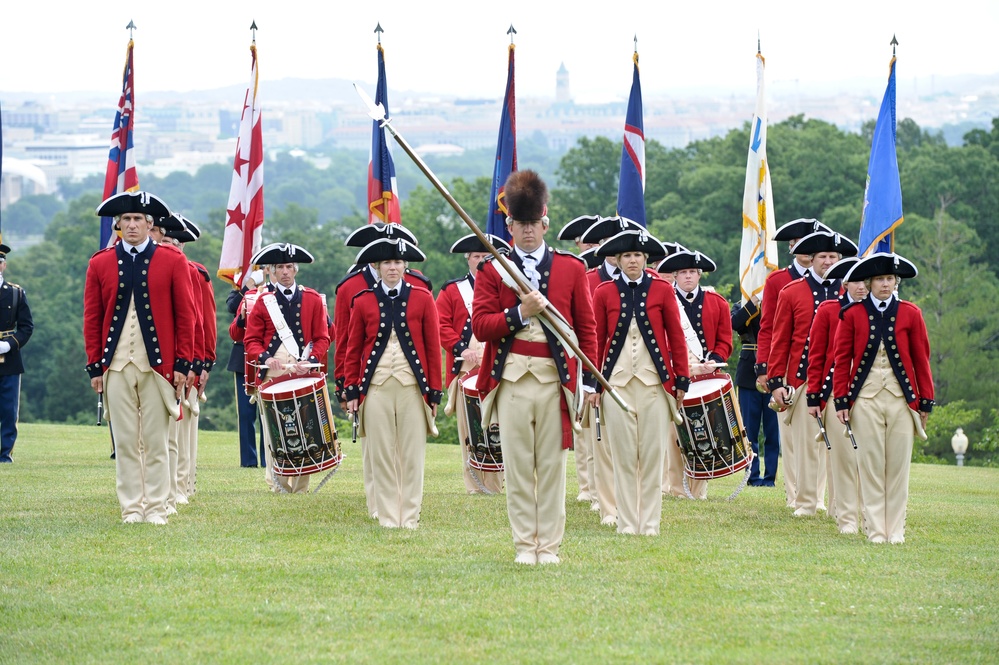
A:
{"x":643,"y":355}
{"x":393,"y":379}
{"x":884,"y":389}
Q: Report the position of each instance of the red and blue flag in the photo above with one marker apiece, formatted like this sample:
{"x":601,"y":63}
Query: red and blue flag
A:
{"x":121,"y":175}
{"x":631,"y":182}
{"x":383,"y":192}
{"x":506,"y":156}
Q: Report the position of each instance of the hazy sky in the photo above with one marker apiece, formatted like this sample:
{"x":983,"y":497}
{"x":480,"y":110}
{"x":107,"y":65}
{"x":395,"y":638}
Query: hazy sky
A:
{"x":459,"y":47}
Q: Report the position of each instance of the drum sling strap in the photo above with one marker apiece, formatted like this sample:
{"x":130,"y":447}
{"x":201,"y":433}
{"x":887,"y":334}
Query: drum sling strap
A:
{"x":280,"y":326}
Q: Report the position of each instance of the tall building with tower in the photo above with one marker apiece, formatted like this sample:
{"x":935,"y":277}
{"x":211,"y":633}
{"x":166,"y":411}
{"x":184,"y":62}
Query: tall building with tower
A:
{"x":562,"y":95}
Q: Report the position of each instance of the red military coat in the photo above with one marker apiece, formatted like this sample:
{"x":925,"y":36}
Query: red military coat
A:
{"x":821,"y":353}
{"x":495,"y":319}
{"x":456,"y":326}
{"x":796,"y":305}
{"x":199,"y":319}
{"x":206,"y":294}
{"x":775,"y":281}
{"x":308,"y":325}
{"x":345,"y":291}
{"x":903,"y":331}
{"x":659,"y":323}
{"x":710,"y":317}
{"x":413,"y":316}
{"x":160,"y":283}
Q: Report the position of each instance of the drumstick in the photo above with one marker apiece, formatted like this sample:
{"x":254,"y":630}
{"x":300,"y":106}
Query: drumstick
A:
{"x":596,"y":416}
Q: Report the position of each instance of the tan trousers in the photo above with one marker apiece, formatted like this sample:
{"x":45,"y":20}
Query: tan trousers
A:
{"x":884,"y":431}
{"x":787,"y":460}
{"x":809,"y":459}
{"x":395,"y":428}
{"x":183,"y":465}
{"x":845,"y":474}
{"x":141,"y":426}
{"x":583,"y":454}
{"x":673,"y":469}
{"x":639,"y":454}
{"x":531,"y":427}
{"x":173,"y":450}
{"x":603,"y":467}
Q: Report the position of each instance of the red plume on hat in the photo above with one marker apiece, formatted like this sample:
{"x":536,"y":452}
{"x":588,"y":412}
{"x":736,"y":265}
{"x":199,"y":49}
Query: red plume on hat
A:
{"x":526,"y":195}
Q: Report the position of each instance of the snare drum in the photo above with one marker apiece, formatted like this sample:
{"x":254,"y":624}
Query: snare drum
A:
{"x":484,"y":452}
{"x":712,"y":438}
{"x":299,"y":422}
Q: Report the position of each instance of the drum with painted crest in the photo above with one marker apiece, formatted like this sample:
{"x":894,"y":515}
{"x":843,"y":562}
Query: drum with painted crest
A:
{"x":298,"y":418}
{"x":712,"y":437}
{"x":484,"y":452}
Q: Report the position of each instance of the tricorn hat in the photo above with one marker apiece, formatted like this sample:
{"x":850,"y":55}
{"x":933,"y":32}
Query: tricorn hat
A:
{"x":388,"y":249}
{"x":881,"y":263}
{"x":281,"y":252}
{"x":839,"y":269}
{"x":590,"y":258}
{"x":140,"y":202}
{"x":4,"y":251}
{"x":369,"y":233}
{"x":605,"y":227}
{"x":178,"y":227}
{"x":471,"y":243}
{"x":576,"y":227}
{"x":686,"y":260}
{"x":799,"y":228}
{"x":825,"y":241}
{"x":632,"y":241}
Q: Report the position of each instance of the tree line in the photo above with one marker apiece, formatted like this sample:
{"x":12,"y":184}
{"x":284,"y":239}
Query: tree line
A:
{"x":693,"y":196}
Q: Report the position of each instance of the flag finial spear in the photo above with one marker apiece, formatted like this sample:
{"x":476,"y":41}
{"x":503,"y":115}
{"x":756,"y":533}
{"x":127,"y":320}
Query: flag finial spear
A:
{"x":636,"y":43}
{"x":130,"y":27}
{"x":512,"y":31}
{"x":379,"y":31}
{"x":758,"y":49}
{"x":894,"y":43}
{"x":253,"y":30}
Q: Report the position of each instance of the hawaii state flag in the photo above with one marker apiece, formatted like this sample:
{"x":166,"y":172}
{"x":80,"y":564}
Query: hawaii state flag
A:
{"x":883,"y":195}
{"x":121,"y":175}
{"x":383,"y":192}
{"x":759,"y":250}
{"x":506,"y":157}
{"x":631,"y":183}
{"x":245,"y":212}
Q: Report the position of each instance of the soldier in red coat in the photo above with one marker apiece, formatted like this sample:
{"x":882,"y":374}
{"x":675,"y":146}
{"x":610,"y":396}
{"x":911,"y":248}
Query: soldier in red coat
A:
{"x":884,"y":388}
{"x":298,"y":312}
{"x":463,"y":357}
{"x":393,"y":379}
{"x":841,"y":465}
{"x":791,"y":232}
{"x":643,"y":355}
{"x":138,"y":329}
{"x":787,"y":364}
{"x":531,"y":384}
{"x":360,"y":278}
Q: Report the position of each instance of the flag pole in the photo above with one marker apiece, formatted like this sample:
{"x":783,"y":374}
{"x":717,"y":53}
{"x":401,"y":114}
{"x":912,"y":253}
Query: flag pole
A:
{"x":556,"y":322}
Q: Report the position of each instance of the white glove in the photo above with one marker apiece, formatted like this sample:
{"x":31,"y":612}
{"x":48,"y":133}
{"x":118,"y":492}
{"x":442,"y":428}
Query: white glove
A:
{"x":258,"y":277}
{"x":4,"y":347}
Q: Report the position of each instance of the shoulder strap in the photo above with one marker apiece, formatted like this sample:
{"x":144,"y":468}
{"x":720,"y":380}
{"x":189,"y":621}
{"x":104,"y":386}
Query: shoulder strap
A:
{"x":466,"y":291}
{"x":280,"y":326}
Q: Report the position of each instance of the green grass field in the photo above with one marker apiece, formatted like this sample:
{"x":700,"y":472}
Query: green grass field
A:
{"x":241,"y":575}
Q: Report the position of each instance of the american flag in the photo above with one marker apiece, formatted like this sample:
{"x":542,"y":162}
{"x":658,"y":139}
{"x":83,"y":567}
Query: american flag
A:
{"x":631,"y":182}
{"x":121,"y":175}
{"x":383,"y":192}
{"x":245,"y":211}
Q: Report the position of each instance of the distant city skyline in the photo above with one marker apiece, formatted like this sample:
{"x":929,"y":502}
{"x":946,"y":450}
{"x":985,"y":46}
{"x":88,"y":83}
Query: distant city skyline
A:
{"x":449,"y":49}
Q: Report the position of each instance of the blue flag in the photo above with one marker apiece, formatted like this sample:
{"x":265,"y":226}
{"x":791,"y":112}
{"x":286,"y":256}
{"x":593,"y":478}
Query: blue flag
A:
{"x":883,"y":195}
{"x":383,"y":191}
{"x":631,"y":183}
{"x":506,"y":157}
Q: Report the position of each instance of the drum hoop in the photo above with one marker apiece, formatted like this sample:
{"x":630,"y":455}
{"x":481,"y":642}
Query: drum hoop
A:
{"x":714,"y":394}
{"x":311,"y":389}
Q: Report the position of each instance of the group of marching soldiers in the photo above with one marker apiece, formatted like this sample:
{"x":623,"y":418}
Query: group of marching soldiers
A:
{"x":594,"y":352}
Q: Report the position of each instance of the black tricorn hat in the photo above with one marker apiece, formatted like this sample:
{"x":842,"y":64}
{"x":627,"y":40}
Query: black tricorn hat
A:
{"x":388,"y":249}
{"x":281,"y":252}
{"x":369,"y":233}
{"x":799,"y":228}
{"x":4,"y":250}
{"x":140,"y":202}
{"x":825,"y":241}
{"x":606,"y":227}
{"x":180,"y":228}
{"x":577,"y":227}
{"x":686,"y":260}
{"x":590,"y":258}
{"x":632,"y":241}
{"x":881,"y":263}
{"x":471,"y":243}
{"x":839,"y":269}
